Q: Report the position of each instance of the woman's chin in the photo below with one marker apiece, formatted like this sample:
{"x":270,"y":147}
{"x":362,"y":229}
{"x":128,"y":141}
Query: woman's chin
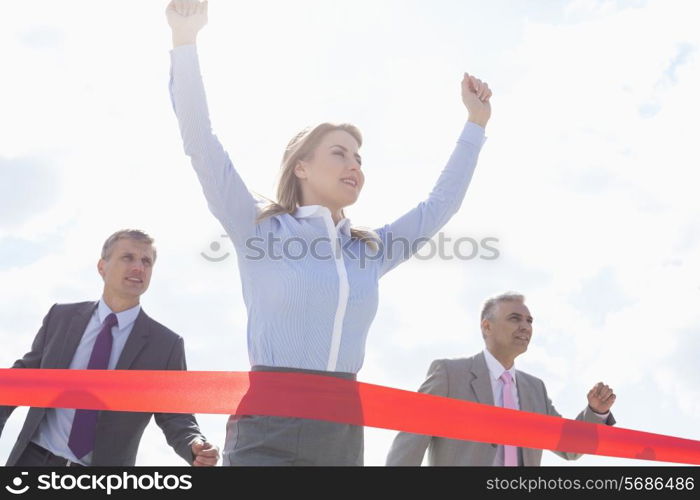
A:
{"x":350,"y":200}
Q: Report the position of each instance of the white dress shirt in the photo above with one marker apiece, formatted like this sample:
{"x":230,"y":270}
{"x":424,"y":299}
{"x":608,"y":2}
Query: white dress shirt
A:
{"x":496,"y":369}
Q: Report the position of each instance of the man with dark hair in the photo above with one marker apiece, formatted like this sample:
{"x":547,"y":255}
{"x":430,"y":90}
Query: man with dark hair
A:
{"x":490,"y":377}
{"x":112,"y":333}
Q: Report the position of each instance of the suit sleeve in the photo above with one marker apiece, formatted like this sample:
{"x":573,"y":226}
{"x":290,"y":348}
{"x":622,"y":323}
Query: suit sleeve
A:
{"x":585,"y":416}
{"x":408,"y":448}
{"x":32,"y":359}
{"x":179,"y":429}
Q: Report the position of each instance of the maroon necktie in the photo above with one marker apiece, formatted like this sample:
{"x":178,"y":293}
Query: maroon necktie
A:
{"x":82,"y":434}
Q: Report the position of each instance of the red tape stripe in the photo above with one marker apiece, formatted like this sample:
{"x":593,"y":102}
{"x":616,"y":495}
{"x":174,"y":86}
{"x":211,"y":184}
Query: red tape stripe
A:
{"x":336,"y":400}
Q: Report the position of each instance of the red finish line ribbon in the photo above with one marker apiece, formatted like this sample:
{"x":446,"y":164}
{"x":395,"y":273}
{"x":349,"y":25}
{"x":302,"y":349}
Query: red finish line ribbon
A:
{"x":332,"y":399}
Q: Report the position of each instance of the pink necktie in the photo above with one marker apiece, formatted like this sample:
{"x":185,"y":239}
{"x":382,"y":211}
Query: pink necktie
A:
{"x":510,"y":458}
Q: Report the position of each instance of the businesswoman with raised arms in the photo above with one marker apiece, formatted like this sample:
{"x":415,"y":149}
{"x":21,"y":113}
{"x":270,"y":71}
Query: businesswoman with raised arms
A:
{"x":307,"y":313}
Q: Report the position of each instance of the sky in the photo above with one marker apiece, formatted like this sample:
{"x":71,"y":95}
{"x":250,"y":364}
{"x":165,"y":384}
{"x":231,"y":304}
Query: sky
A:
{"x":587,"y":180}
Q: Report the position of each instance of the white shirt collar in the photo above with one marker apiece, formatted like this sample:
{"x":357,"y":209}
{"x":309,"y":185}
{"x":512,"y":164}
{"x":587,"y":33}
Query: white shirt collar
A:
{"x":495,"y":367}
{"x":307,"y":211}
{"x":311,"y":211}
{"x":124,"y":318}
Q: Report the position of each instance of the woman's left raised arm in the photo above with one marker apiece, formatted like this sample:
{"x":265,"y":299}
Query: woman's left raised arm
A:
{"x":401,"y":238}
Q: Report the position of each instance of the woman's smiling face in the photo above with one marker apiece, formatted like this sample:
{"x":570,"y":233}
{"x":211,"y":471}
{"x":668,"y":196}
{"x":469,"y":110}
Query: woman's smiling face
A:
{"x":332,"y":176}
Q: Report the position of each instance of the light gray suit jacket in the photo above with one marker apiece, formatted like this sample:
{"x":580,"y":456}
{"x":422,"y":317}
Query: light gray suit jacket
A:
{"x":150,"y":346}
{"x":468,"y":379}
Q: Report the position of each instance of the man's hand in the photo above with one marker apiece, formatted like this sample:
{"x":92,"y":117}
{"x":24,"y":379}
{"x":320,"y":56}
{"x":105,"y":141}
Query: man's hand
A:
{"x":205,"y":454}
{"x":601,"y":398}
{"x":186,"y":18}
{"x":476,"y":95}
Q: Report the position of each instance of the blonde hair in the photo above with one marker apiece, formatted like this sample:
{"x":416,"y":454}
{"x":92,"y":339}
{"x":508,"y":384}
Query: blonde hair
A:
{"x":301,"y":147}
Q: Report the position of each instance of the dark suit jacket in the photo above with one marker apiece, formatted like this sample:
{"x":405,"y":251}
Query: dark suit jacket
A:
{"x":150,"y":346}
{"x":469,"y":379}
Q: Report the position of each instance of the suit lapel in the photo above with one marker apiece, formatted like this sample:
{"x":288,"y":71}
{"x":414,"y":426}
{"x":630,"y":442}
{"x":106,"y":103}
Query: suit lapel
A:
{"x":525,"y":398}
{"x":137,"y":340}
{"x":76,"y":329}
{"x":481,"y":383}
{"x":527,"y":403}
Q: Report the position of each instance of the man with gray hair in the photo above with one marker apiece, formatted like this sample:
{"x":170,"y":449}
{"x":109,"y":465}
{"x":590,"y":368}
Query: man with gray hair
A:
{"x":112,"y":333}
{"x":490,"y":377}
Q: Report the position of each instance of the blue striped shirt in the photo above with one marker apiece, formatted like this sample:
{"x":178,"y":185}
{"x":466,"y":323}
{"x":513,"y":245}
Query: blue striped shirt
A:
{"x":311,"y":291}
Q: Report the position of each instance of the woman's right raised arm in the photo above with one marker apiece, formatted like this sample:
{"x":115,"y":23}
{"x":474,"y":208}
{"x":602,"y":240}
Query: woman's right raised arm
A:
{"x":228,"y":198}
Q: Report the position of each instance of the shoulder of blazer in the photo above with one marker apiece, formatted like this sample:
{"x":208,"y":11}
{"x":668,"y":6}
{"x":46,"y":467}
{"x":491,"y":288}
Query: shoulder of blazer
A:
{"x":530,"y":379}
{"x":75,"y":307}
{"x":158,"y":329}
{"x":459,"y":365}
{"x":63,"y":315}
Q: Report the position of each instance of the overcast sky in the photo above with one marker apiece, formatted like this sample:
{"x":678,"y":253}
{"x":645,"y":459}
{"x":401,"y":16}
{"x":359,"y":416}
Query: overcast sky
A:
{"x":588,"y":179}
